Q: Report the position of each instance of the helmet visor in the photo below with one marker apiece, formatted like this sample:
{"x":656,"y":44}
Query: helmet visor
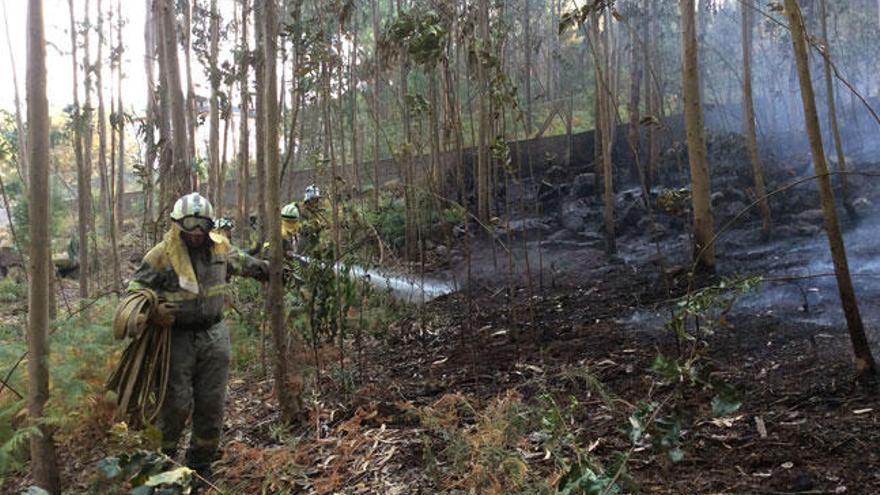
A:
{"x":188,"y":224}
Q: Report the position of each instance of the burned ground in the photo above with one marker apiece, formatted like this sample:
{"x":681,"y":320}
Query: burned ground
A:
{"x":547,"y":321}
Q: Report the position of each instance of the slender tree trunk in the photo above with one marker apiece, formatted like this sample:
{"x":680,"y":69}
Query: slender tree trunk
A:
{"x":634,"y":99}
{"x":527,"y":44}
{"x":652,"y":96}
{"x":749,"y":120}
{"x":607,"y":96}
{"x":353,"y":94}
{"x":484,"y":200}
{"x":166,"y":138}
{"x":259,"y":72}
{"x":411,"y":227}
{"x":224,"y":163}
{"x":704,"y":251}
{"x":83,"y":180}
{"x":180,"y":181}
{"x":191,"y":117}
{"x":438,"y":173}
{"x":864,"y":360}
{"x":89,"y":130}
{"x":288,"y":391}
{"x":292,"y":148}
{"x":151,"y":112}
{"x":832,"y":110}
{"x":374,"y":6}
{"x":44,"y":467}
{"x":214,"y":139}
{"x":340,"y":99}
{"x":117,"y":127}
{"x":119,"y":210}
{"x":21,"y":133}
{"x":244,"y":134}
{"x":106,"y":204}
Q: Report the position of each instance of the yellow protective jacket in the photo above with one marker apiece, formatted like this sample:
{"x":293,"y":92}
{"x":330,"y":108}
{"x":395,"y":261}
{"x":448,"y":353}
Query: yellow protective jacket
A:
{"x":194,"y":279}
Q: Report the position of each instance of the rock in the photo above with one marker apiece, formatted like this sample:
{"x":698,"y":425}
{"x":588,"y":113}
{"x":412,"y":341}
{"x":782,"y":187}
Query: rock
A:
{"x":810,"y":216}
{"x":574,"y":215}
{"x":526,"y":224}
{"x":735,"y":193}
{"x":583,"y":185}
{"x":645,"y":226}
{"x":592,"y":237}
{"x":441,"y":250}
{"x":629,"y":195}
{"x":862,"y":205}
{"x":573,"y":222}
{"x":735,"y":207}
{"x":806,"y":229}
{"x":562,"y":235}
{"x":784,"y":231}
{"x":630,"y":215}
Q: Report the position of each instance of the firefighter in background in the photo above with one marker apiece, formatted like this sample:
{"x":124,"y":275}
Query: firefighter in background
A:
{"x":225,"y":226}
{"x":313,"y":221}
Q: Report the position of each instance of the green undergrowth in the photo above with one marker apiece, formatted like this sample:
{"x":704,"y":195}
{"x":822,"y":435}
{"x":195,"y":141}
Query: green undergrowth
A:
{"x":82,"y":353}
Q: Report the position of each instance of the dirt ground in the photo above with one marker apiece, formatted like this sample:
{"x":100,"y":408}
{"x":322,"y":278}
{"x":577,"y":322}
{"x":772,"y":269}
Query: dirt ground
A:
{"x":804,"y":425}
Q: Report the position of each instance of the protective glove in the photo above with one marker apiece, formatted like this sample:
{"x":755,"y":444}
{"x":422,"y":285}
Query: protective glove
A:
{"x":163,"y":314}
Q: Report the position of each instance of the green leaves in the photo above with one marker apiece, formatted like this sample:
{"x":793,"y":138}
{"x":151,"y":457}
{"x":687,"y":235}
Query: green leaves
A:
{"x":109,"y":467}
{"x":708,"y":303}
{"x":423,"y":35}
{"x":637,"y":422}
{"x":583,"y":479}
{"x":725,"y":402}
{"x":148,"y":473}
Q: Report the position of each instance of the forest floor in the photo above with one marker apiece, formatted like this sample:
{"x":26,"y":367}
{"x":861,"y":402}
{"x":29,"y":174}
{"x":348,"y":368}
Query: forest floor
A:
{"x":450,"y":398}
{"x":521,"y":387}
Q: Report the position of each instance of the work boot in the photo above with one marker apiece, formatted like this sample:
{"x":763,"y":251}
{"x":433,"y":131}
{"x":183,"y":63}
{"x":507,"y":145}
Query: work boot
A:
{"x":203,"y":475}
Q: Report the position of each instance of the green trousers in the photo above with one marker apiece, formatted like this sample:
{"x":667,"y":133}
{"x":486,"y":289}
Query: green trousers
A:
{"x":197,"y":385}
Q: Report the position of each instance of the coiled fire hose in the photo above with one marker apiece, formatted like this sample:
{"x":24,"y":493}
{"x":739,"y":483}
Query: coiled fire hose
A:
{"x":141,"y":378}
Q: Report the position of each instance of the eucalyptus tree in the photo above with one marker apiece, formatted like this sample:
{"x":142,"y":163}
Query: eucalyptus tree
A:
{"x":44,"y":467}
{"x":152,"y":112}
{"x":866,"y":368}
{"x":704,"y":229}
{"x":287,"y":386}
{"x":83,"y":175}
{"x":119,"y":186}
{"x":180,"y":178}
{"x":244,"y":63}
{"x":749,"y":128}
{"x":832,"y":106}
{"x":214,"y":76}
{"x":105,"y":208}
{"x":191,"y":119}
{"x":260,"y":109}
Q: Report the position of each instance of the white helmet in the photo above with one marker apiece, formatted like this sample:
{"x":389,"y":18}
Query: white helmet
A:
{"x":290,"y":211}
{"x":193,"y":206}
{"x":312,"y":192}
